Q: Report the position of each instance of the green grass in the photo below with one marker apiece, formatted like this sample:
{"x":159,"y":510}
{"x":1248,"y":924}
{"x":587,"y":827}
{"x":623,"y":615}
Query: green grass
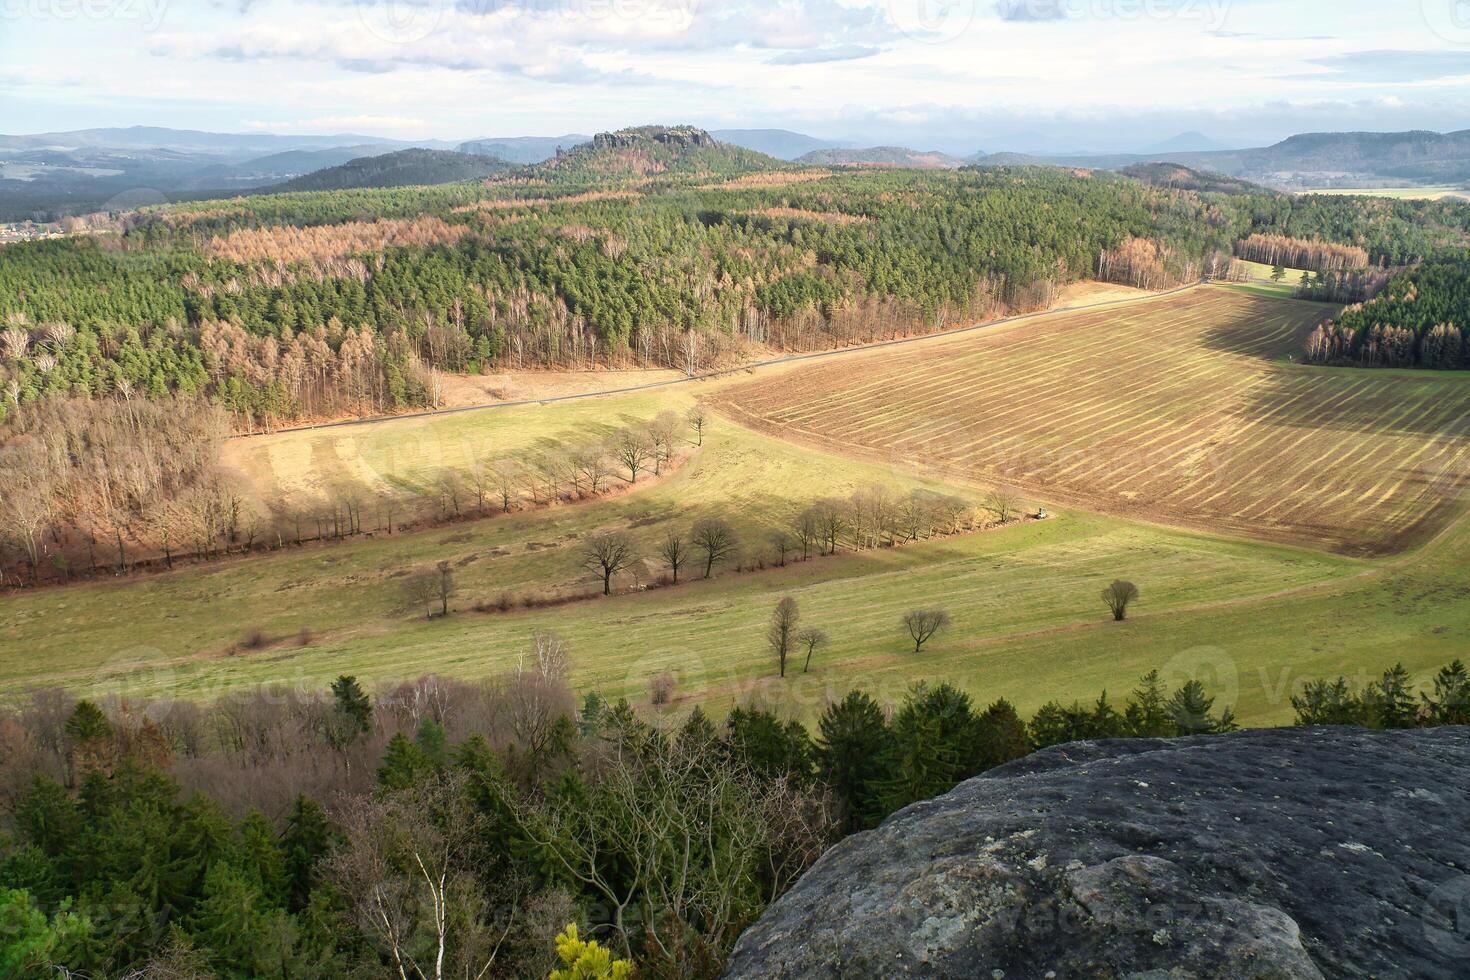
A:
{"x":172,"y":633}
{"x":1285,"y":289}
{"x":1252,"y":619}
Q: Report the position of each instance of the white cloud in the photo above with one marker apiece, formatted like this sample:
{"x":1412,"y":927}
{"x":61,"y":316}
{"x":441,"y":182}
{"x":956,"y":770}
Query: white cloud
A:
{"x":461,"y":68}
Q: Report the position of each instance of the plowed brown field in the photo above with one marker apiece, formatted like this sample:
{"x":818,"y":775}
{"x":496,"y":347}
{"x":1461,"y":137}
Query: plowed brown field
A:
{"x":1181,"y":410}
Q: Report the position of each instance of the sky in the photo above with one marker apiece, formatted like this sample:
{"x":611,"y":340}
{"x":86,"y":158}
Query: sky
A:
{"x":953,"y":75}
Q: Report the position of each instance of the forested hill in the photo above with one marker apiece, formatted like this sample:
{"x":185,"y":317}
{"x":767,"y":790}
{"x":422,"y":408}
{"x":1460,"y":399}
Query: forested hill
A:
{"x":1185,"y":178}
{"x":288,"y":306}
{"x":652,"y":150}
{"x":404,"y":168}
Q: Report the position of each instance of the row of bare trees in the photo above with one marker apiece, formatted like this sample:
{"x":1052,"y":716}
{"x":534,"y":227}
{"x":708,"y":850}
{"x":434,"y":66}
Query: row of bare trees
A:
{"x":872,"y":517}
{"x":556,"y":472}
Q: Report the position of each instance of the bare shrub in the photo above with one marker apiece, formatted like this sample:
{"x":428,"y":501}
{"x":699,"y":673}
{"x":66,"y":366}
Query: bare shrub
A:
{"x":661,"y":689}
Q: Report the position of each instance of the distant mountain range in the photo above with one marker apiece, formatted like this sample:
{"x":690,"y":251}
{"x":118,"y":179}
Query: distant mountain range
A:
{"x":1305,"y":162}
{"x":43,"y":175}
{"x":782,"y":144}
{"x":523,"y":149}
{"x":1190,"y":142}
{"x":898,"y":157}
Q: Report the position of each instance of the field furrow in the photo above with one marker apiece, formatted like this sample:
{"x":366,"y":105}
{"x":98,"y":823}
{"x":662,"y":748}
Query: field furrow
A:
{"x":1184,"y":410}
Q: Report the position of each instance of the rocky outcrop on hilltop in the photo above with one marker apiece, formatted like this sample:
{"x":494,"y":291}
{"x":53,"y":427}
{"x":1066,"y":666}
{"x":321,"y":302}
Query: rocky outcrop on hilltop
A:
{"x":678,"y":136}
{"x":1283,"y":853}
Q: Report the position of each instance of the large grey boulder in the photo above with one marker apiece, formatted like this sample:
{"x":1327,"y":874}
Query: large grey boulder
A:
{"x":1277,"y":853}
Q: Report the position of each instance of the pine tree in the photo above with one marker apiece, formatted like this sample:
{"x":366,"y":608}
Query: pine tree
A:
{"x":1000,"y":735}
{"x":404,"y":764}
{"x":922,"y":763}
{"x":306,"y":841}
{"x":1323,"y":703}
{"x":1450,"y":702}
{"x":1147,"y":714}
{"x":853,"y":751}
{"x":87,"y":724}
{"x":767,"y":745}
{"x":1055,"y":724}
{"x":1104,"y":721}
{"x":1192,"y":709}
{"x":261,"y":859}
{"x":352,"y":704}
{"x":243,"y":935}
{"x":1394,"y":702}
{"x":430,"y":740}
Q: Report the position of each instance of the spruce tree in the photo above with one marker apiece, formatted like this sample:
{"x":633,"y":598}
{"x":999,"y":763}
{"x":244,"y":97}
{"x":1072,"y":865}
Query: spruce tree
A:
{"x":306,"y":841}
{"x":1396,"y":705}
{"x":853,"y":752}
{"x":1450,"y":702}
{"x":1147,"y":714}
{"x":404,"y":764}
{"x":1000,"y":735}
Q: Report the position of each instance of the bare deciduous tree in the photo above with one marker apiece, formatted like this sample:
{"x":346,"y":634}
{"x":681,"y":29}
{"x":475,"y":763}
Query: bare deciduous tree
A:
{"x":506,"y":476}
{"x":698,"y":421}
{"x":449,"y":489}
{"x":831,"y":523}
{"x":783,"y":545}
{"x":644,"y":850}
{"x":675,"y":552}
{"x":808,"y":531}
{"x":480,"y":476}
{"x":922,"y":624}
{"x":444,"y":586}
{"x":781,"y":634}
{"x":1003,"y":504}
{"x":1118,"y":596}
{"x":811,"y":638}
{"x":589,"y":463}
{"x":607,"y":554}
{"x":661,"y":689}
{"x":714,"y":538}
{"x":407,"y":872}
{"x":663,"y":433}
{"x":421,"y":588}
{"x":631,"y":449}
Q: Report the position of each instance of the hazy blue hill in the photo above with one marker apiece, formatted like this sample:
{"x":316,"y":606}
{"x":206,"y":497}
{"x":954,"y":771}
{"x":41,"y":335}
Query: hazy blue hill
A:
{"x":780,"y":143}
{"x":523,"y":149}
{"x":402,"y":168}
{"x":883,"y":156}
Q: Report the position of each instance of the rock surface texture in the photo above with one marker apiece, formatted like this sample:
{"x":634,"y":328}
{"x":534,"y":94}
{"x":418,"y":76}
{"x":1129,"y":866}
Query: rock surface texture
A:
{"x":1277,"y":853}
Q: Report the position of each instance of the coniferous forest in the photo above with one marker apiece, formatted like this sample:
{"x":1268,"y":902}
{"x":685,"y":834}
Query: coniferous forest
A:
{"x":309,"y":305}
